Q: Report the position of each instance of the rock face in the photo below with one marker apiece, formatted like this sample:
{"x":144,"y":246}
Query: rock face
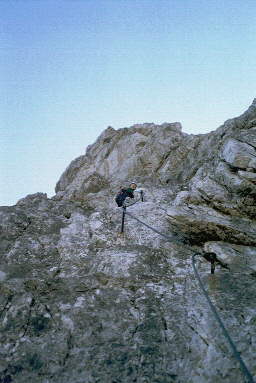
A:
{"x":81,"y":303}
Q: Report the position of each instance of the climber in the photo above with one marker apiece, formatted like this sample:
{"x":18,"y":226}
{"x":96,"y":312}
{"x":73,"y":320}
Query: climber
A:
{"x":124,"y":193}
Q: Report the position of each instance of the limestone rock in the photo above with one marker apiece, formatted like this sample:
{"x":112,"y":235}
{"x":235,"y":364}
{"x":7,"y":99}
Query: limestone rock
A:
{"x":248,"y":136}
{"x":238,"y":154}
{"x":239,"y":258}
{"x":250,"y":176}
{"x":121,"y":156}
{"x":202,"y":222}
{"x":83,"y":303}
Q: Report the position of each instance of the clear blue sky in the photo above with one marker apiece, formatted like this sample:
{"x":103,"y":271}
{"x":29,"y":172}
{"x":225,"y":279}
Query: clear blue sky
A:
{"x":70,"y":68}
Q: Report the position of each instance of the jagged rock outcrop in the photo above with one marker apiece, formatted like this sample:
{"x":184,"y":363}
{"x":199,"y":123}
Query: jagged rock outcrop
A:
{"x":82,"y":304}
{"x":220,"y":203}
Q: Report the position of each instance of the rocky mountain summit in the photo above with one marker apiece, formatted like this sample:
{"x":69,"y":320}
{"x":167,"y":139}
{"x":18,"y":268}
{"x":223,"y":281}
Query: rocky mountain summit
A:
{"x":81,"y":303}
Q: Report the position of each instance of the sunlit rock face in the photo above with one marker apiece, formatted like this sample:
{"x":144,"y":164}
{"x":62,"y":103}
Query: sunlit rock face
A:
{"x":81,"y":303}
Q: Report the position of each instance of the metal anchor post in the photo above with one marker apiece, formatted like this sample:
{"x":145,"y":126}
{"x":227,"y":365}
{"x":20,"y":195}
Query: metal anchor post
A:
{"x":212,"y":265}
{"x":123,"y":218}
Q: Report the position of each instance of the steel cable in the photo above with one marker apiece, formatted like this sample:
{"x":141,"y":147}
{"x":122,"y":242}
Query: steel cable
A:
{"x":150,"y":227}
{"x":170,"y":239}
{"x":236,"y":353}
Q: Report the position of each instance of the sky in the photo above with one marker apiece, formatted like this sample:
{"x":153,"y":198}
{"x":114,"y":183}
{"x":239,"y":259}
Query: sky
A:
{"x":71,"y":68}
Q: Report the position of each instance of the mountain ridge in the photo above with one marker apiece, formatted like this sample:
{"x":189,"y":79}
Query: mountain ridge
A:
{"x":81,"y":303}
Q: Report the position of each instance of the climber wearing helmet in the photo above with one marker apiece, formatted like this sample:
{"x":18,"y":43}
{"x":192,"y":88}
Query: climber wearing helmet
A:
{"x":124,"y":193}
